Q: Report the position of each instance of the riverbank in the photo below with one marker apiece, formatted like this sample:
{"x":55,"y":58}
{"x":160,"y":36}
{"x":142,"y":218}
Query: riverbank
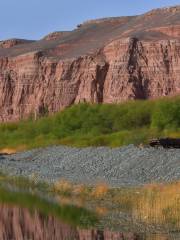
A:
{"x":129,"y":187}
{"x":152,"y":208}
{"x":125,"y":166}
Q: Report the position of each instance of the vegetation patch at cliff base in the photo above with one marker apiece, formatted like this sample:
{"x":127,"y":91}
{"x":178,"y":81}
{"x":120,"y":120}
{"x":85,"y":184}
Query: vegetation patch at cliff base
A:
{"x":83,"y":125}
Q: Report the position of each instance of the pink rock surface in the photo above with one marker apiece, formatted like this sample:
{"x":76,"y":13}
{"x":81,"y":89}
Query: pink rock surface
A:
{"x":102,"y":61}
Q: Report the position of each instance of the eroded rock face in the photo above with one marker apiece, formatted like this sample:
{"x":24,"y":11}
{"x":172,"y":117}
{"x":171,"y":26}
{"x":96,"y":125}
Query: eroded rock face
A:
{"x":20,"y":224}
{"x":103,"y":61}
{"x":37,"y":82}
{"x":56,"y":35}
{"x":12,"y":42}
{"x":142,"y":70}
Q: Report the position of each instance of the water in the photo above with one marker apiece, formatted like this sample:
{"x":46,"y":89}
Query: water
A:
{"x":18,"y":223}
{"x":24,"y":215}
{"x":68,"y":223}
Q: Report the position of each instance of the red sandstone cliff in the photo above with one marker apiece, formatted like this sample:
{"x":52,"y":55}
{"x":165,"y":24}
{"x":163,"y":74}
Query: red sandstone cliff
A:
{"x":107,"y":60}
{"x":20,"y":224}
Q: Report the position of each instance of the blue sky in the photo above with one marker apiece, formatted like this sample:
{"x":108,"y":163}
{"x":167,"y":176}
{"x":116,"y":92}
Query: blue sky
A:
{"x":32,"y":19}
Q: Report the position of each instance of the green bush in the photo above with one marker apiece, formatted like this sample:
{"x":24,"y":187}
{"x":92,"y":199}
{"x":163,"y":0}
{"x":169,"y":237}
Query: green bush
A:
{"x":166,"y":114}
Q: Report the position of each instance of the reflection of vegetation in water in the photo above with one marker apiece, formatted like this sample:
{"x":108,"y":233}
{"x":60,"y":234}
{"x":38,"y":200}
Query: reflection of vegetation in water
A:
{"x":157,"y":204}
{"x":30,"y":184}
{"x":68,"y":213}
{"x":96,"y":125}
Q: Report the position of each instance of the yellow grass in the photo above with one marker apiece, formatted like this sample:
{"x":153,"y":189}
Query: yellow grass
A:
{"x":100,"y":190}
{"x":63,"y":186}
{"x":79,"y":189}
{"x":159,"y":204}
{"x":64,"y":200}
{"x":8,"y":150}
{"x":13,"y":150}
{"x":101,"y":211}
{"x":152,"y":204}
{"x":157,"y":237}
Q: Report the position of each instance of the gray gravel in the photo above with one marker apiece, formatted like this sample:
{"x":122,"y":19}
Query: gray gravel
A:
{"x":128,"y":165}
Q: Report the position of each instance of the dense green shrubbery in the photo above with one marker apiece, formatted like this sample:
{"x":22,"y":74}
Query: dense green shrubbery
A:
{"x":96,"y":125}
{"x":167,"y":114}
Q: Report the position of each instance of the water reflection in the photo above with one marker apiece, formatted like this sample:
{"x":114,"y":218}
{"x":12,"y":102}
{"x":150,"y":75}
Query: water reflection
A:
{"x":18,"y":223}
{"x":25,"y":216}
{"x":21,"y":224}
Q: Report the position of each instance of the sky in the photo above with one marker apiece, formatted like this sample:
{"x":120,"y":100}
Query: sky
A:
{"x":33,"y":19}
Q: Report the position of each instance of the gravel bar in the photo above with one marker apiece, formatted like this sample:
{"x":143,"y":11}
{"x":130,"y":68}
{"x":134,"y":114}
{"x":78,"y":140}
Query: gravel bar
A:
{"x":123,"y":166}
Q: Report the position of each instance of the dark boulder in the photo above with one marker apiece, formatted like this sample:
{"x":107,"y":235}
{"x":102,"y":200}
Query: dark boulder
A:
{"x":165,"y":142}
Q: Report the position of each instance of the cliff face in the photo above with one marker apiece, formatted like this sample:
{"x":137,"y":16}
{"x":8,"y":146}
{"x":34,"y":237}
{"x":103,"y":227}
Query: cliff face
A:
{"x":20,"y":224}
{"x":142,"y":70}
{"x":33,"y":83}
{"x":103,"y":61}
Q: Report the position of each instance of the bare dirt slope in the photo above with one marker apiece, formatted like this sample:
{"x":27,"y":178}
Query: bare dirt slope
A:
{"x":155,"y":25}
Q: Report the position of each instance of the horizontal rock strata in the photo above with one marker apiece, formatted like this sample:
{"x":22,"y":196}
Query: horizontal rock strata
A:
{"x":102,"y":61}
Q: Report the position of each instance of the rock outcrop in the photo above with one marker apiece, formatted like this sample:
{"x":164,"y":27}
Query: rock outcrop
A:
{"x":56,"y":35}
{"x":102,"y":61}
{"x":13,"y":42}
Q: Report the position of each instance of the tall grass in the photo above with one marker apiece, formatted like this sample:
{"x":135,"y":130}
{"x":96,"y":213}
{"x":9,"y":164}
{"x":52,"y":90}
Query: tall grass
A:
{"x":159,"y":204}
{"x":153,"y":204}
{"x":97,"y":125}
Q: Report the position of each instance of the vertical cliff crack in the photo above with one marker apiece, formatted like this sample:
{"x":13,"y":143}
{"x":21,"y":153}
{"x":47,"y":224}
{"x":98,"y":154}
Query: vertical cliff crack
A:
{"x":101,"y":73}
{"x":132,"y":52}
{"x":166,"y":59}
{"x":135,"y":54}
